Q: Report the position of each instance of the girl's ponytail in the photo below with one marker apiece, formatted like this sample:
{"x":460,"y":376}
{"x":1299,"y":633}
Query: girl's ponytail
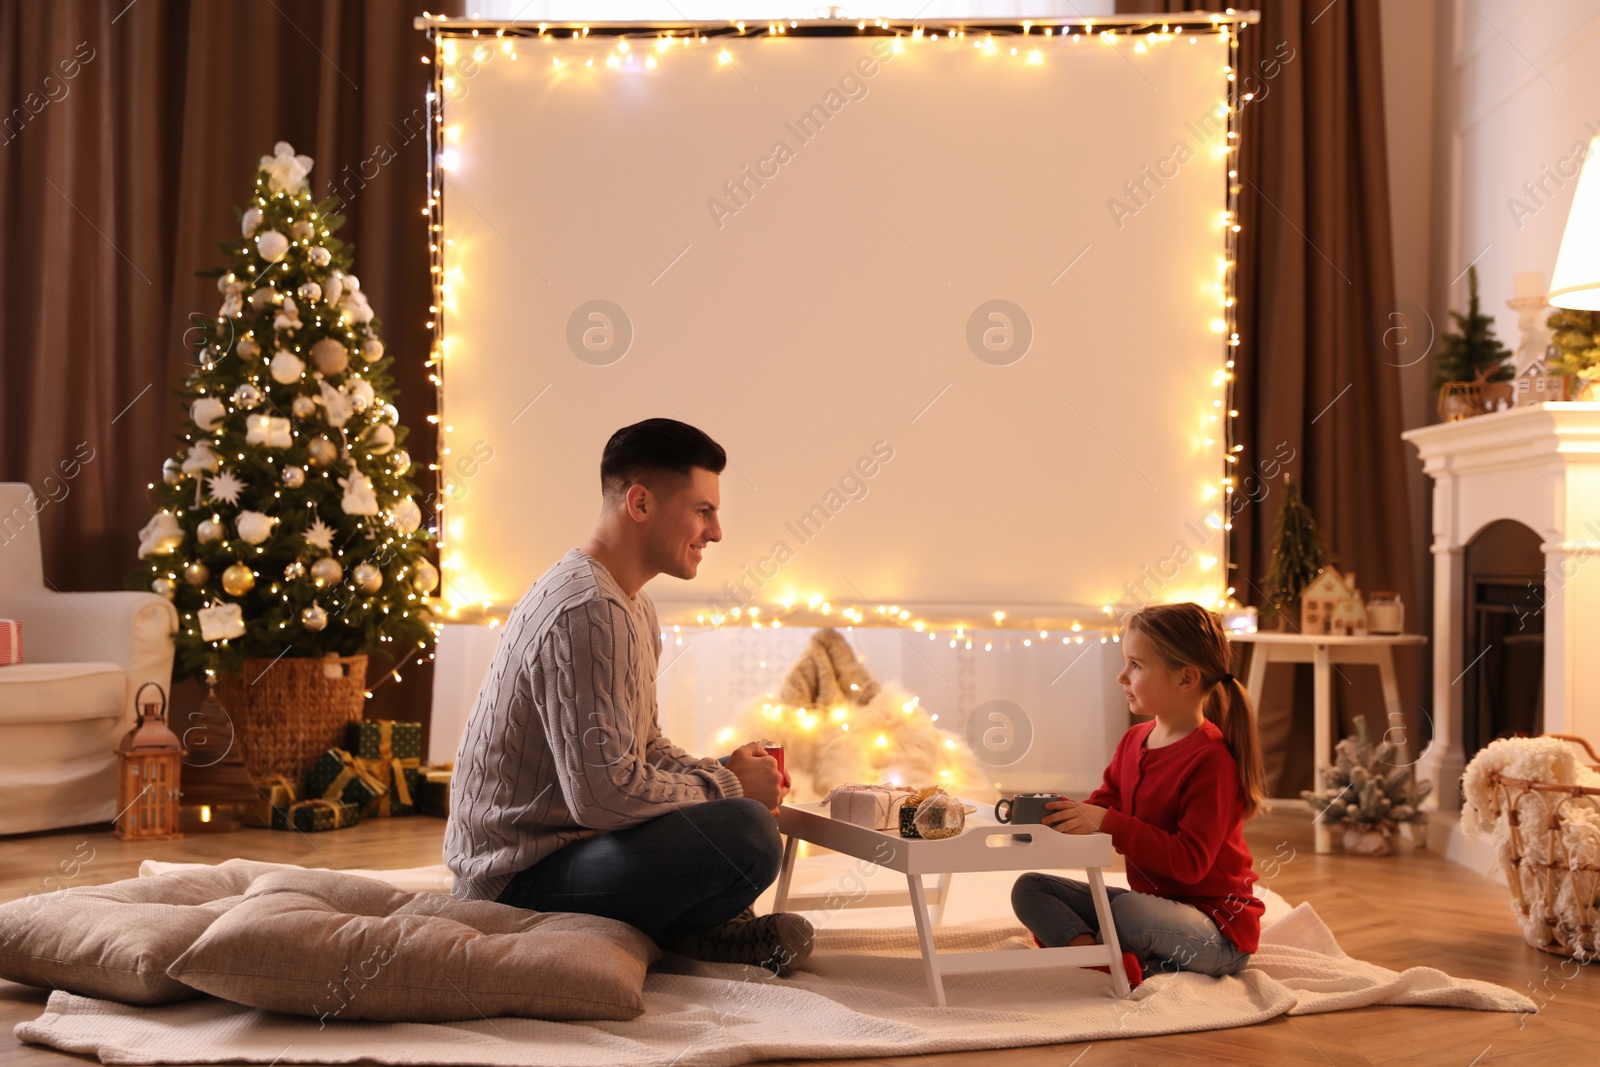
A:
{"x":1228,"y":705}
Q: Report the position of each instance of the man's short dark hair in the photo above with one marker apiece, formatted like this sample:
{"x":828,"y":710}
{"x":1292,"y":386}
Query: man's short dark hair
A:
{"x":655,"y":452}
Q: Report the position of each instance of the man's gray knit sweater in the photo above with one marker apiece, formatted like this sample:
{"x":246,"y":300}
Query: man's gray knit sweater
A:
{"x":564,"y":741}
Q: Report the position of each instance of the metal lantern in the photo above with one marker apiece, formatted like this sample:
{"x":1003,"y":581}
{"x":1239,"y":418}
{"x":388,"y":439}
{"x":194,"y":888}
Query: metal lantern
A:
{"x":148,"y":762}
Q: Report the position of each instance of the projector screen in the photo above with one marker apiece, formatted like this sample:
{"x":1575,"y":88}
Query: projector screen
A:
{"x":953,"y":307}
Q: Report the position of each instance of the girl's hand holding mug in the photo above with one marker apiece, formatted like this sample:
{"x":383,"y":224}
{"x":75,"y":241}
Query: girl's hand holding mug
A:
{"x":1072,"y":817}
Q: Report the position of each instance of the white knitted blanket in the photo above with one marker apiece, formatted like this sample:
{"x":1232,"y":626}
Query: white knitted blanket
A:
{"x":862,"y":994}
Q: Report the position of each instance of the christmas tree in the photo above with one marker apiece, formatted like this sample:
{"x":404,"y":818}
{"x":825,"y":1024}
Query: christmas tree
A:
{"x":1297,"y":554}
{"x":1576,"y":335}
{"x":286,"y":523}
{"x":1475,"y":354}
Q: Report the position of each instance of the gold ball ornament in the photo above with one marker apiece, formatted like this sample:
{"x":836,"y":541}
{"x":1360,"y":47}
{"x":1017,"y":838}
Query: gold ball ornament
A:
{"x":247,"y":348}
{"x":321,"y":452}
{"x":372,"y":350}
{"x":164,"y":587}
{"x":401,"y":460}
{"x":368,"y":579}
{"x":425,"y":577}
{"x":301,"y":230}
{"x":238,"y":580}
{"x":208,"y":532}
{"x":302,"y":407}
{"x":294,"y":477}
{"x":326,"y":571}
{"x":314,"y":618}
{"x":320,"y":256}
{"x":247,"y":396}
{"x":310,"y":292}
{"x":330,"y":356}
{"x":294,"y":570}
{"x":197,"y":573}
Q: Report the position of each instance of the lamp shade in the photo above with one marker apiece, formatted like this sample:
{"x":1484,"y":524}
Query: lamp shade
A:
{"x":1576,"y":281}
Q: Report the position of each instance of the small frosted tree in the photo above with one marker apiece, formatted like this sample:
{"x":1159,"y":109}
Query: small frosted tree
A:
{"x":286,"y":523}
{"x":1298,"y":554}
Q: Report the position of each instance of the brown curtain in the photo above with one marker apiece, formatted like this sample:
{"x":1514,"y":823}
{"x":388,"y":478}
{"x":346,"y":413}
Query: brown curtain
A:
{"x":131,"y":132}
{"x":1315,"y":284}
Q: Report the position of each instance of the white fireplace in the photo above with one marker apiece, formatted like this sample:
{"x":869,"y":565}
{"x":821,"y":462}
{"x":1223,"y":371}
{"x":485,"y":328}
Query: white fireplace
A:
{"x":1539,"y":466}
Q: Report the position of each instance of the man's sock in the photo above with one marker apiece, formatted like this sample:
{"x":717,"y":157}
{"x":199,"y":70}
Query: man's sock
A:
{"x":779,"y":942}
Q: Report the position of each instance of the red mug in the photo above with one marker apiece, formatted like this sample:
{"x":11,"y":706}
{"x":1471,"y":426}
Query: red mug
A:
{"x":775,"y":750}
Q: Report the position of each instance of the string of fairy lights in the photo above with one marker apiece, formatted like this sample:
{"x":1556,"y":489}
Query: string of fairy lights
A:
{"x":461,"y":45}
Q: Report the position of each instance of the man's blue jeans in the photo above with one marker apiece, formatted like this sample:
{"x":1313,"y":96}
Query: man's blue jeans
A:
{"x":680,"y":873}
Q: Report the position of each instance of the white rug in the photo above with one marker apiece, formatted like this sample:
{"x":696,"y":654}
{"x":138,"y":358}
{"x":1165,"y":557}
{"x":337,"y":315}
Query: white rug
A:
{"x":861,"y":995}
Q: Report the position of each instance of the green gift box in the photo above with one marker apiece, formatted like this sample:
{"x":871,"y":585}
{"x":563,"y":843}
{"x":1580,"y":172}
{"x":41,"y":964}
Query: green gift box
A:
{"x":276,"y":794}
{"x":396,"y":801}
{"x":384,"y":739}
{"x":338,"y":776}
{"x":312,"y":816}
{"x":436,"y":793}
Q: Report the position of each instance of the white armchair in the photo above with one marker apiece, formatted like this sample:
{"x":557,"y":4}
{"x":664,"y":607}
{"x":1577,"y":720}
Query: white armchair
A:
{"x":66,"y":706}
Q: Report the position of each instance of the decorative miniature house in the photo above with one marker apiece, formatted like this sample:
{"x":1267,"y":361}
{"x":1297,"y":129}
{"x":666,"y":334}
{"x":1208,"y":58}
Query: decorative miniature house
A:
{"x":1534,"y":384}
{"x":1331,"y":604}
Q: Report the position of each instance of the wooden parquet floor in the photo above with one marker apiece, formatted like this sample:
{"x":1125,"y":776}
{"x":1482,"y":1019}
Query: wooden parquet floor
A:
{"x":1399,"y":911}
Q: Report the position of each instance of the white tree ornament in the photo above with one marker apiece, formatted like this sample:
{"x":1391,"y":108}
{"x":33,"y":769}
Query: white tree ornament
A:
{"x":288,"y":316}
{"x":201,"y":458}
{"x":250,"y":221}
{"x":208,"y":412}
{"x":286,"y":172}
{"x":221,"y":622}
{"x":335,"y":404}
{"x":268,"y":430}
{"x":272,"y":245}
{"x":287,"y":367}
{"x":254,"y":526}
{"x":225,"y":487}
{"x":319,"y":535}
{"x":359,"y":496}
{"x":160,"y":536}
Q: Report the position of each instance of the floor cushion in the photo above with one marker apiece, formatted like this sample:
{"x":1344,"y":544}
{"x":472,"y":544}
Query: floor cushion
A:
{"x":336,"y":946}
{"x":116,"y":941}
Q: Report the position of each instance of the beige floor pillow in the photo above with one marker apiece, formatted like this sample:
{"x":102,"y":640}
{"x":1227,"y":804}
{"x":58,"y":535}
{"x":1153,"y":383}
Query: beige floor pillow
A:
{"x":335,"y":946}
{"x":116,"y":941}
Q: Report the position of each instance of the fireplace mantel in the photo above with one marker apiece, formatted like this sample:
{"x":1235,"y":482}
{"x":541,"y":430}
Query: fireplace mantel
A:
{"x":1538,"y":465}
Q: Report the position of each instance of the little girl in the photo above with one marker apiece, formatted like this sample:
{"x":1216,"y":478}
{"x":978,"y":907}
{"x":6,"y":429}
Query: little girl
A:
{"x":1174,"y":800}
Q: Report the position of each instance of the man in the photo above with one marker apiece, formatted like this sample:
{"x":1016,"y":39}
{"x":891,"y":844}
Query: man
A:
{"x":566,"y":796}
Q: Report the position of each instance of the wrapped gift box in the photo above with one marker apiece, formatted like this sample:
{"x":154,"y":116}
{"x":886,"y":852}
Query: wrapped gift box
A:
{"x":389,"y":751}
{"x":10,"y":642}
{"x":335,"y":776}
{"x":384,"y":739}
{"x":316,"y":815}
{"x":874,"y":806}
{"x":436,"y":793}
{"x":277,"y":794}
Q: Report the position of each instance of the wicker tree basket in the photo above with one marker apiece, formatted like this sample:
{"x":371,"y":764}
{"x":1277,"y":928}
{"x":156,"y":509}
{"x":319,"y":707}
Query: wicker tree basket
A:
{"x":287,"y":712}
{"x":1558,"y":938}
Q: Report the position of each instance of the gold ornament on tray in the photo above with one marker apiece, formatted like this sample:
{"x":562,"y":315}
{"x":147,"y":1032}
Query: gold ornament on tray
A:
{"x":238,"y":580}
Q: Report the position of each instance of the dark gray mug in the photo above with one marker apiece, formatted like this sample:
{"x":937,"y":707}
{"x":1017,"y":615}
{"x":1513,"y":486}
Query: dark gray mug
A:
{"x":1025,"y":807}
